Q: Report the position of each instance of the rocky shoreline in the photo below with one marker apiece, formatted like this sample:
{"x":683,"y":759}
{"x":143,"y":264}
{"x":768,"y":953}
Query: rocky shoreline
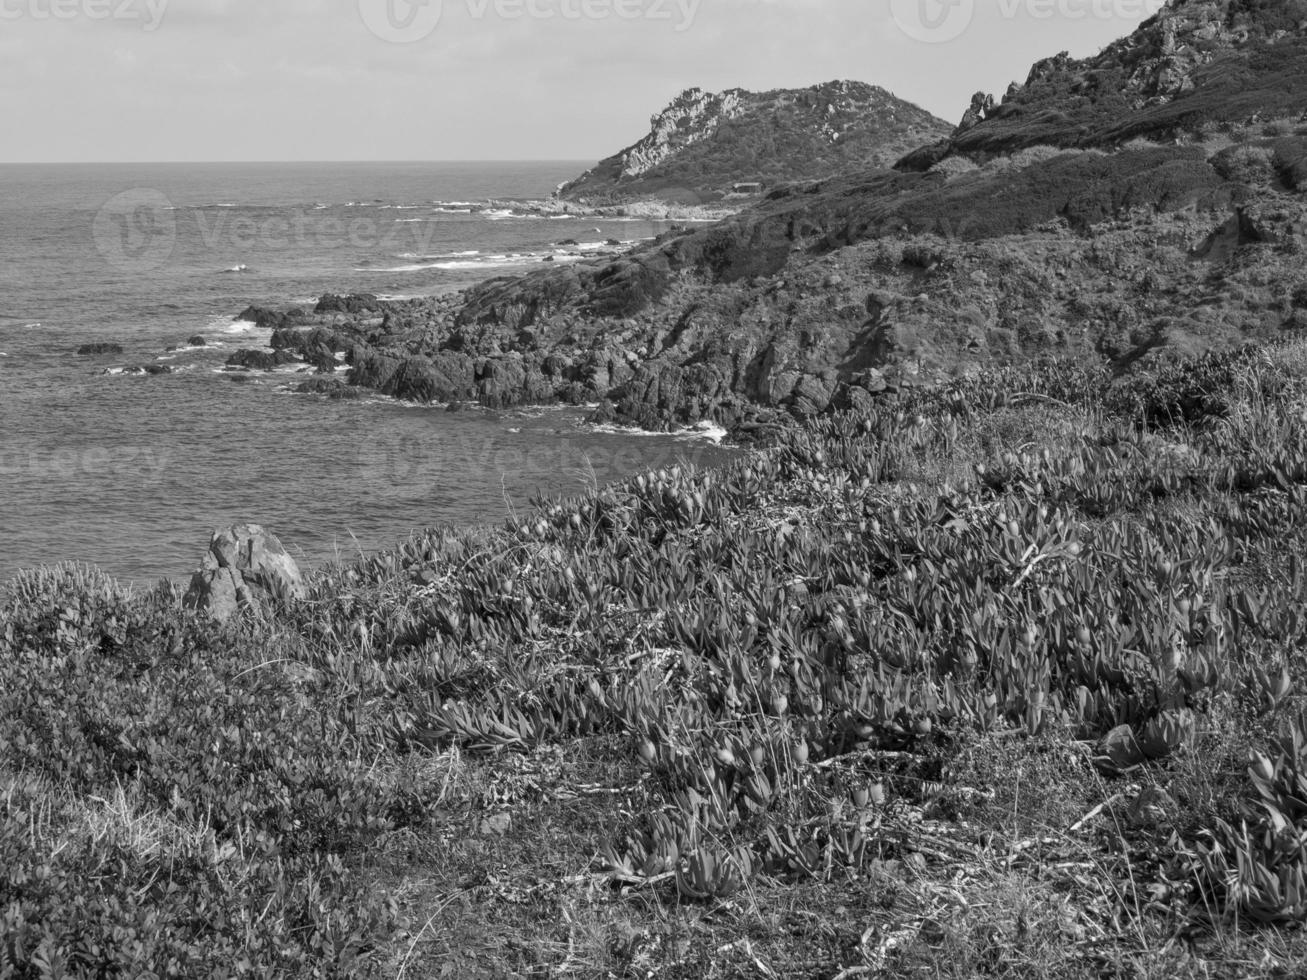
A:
{"x":651,"y":210}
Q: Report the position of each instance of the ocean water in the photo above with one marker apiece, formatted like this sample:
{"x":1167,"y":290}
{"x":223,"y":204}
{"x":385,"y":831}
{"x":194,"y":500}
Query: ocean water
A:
{"x":132,"y":473}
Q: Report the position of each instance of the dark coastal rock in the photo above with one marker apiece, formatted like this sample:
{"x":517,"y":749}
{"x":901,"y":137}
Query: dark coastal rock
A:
{"x":665,"y":395}
{"x":443,"y":377}
{"x":359,"y":304}
{"x":370,"y":368}
{"x":246,"y":570}
{"x":197,"y":341}
{"x":98,"y":350}
{"x":152,"y":370}
{"x":266,"y":319}
{"x":332,"y":388}
{"x":257,"y":360}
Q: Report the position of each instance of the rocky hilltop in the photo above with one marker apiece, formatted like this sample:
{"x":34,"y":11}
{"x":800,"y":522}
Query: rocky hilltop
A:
{"x":1137,"y":224}
{"x":1188,"y":72}
{"x":705,"y":145}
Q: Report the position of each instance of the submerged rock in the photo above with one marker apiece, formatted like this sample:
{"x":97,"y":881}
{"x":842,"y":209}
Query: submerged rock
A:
{"x":245,"y":569}
{"x":96,"y":350}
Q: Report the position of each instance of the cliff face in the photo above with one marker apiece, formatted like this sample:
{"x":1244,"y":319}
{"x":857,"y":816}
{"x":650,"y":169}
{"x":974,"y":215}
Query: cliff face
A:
{"x":1195,"y":66}
{"x":704,"y":144}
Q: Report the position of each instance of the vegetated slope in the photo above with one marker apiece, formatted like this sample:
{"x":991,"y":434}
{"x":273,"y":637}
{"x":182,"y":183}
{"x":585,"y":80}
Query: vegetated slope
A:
{"x":704,"y":143}
{"x":1196,"y":65}
{"x":1002,"y":671}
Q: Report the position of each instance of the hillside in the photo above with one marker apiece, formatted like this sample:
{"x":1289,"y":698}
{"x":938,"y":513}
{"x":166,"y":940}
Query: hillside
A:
{"x":1187,"y":73}
{"x":997,"y":679}
{"x":704,"y":144}
{"x":831,"y":291}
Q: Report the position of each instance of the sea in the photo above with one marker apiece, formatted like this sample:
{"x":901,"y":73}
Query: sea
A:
{"x":132,"y":472}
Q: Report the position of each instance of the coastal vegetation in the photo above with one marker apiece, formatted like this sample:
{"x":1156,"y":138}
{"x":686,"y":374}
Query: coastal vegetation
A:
{"x":992,"y":677}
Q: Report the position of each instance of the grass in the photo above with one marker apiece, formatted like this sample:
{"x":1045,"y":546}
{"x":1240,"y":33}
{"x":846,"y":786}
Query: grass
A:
{"x":836,"y":710}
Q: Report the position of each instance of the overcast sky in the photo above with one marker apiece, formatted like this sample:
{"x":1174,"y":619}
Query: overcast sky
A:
{"x":143,"y":80}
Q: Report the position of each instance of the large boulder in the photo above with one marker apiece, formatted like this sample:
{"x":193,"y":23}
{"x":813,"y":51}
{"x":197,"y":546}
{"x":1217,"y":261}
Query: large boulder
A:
{"x":443,"y":377}
{"x":246,"y":569}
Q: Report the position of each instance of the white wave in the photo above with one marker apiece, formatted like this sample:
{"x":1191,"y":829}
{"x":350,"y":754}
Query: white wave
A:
{"x":410,"y":221}
{"x":497,"y":214}
{"x":610,"y":429}
{"x":238,"y":268}
{"x":562,"y":217}
{"x":240,"y":326}
{"x":708,"y":430}
{"x":438,"y":257}
{"x":481,"y":262}
{"x":417,"y":267}
{"x":3,"y":354}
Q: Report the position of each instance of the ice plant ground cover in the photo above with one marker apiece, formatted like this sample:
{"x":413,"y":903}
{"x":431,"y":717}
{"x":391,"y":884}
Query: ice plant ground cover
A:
{"x":998,"y":678}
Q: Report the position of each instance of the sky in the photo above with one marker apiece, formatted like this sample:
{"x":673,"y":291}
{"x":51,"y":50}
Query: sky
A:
{"x":232,"y":80}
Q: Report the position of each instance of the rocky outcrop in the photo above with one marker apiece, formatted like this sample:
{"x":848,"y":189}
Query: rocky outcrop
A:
{"x":257,"y":360}
{"x":99,"y":350}
{"x":1197,"y":64}
{"x":829,"y":294}
{"x":266,"y":319}
{"x":705,"y":146}
{"x":245,"y":570}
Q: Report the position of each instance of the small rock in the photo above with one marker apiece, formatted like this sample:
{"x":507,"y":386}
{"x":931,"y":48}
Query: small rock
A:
{"x":1119,"y":750}
{"x":497,"y":826}
{"x":197,"y":341}
{"x":96,"y":350}
{"x":245,"y":568}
